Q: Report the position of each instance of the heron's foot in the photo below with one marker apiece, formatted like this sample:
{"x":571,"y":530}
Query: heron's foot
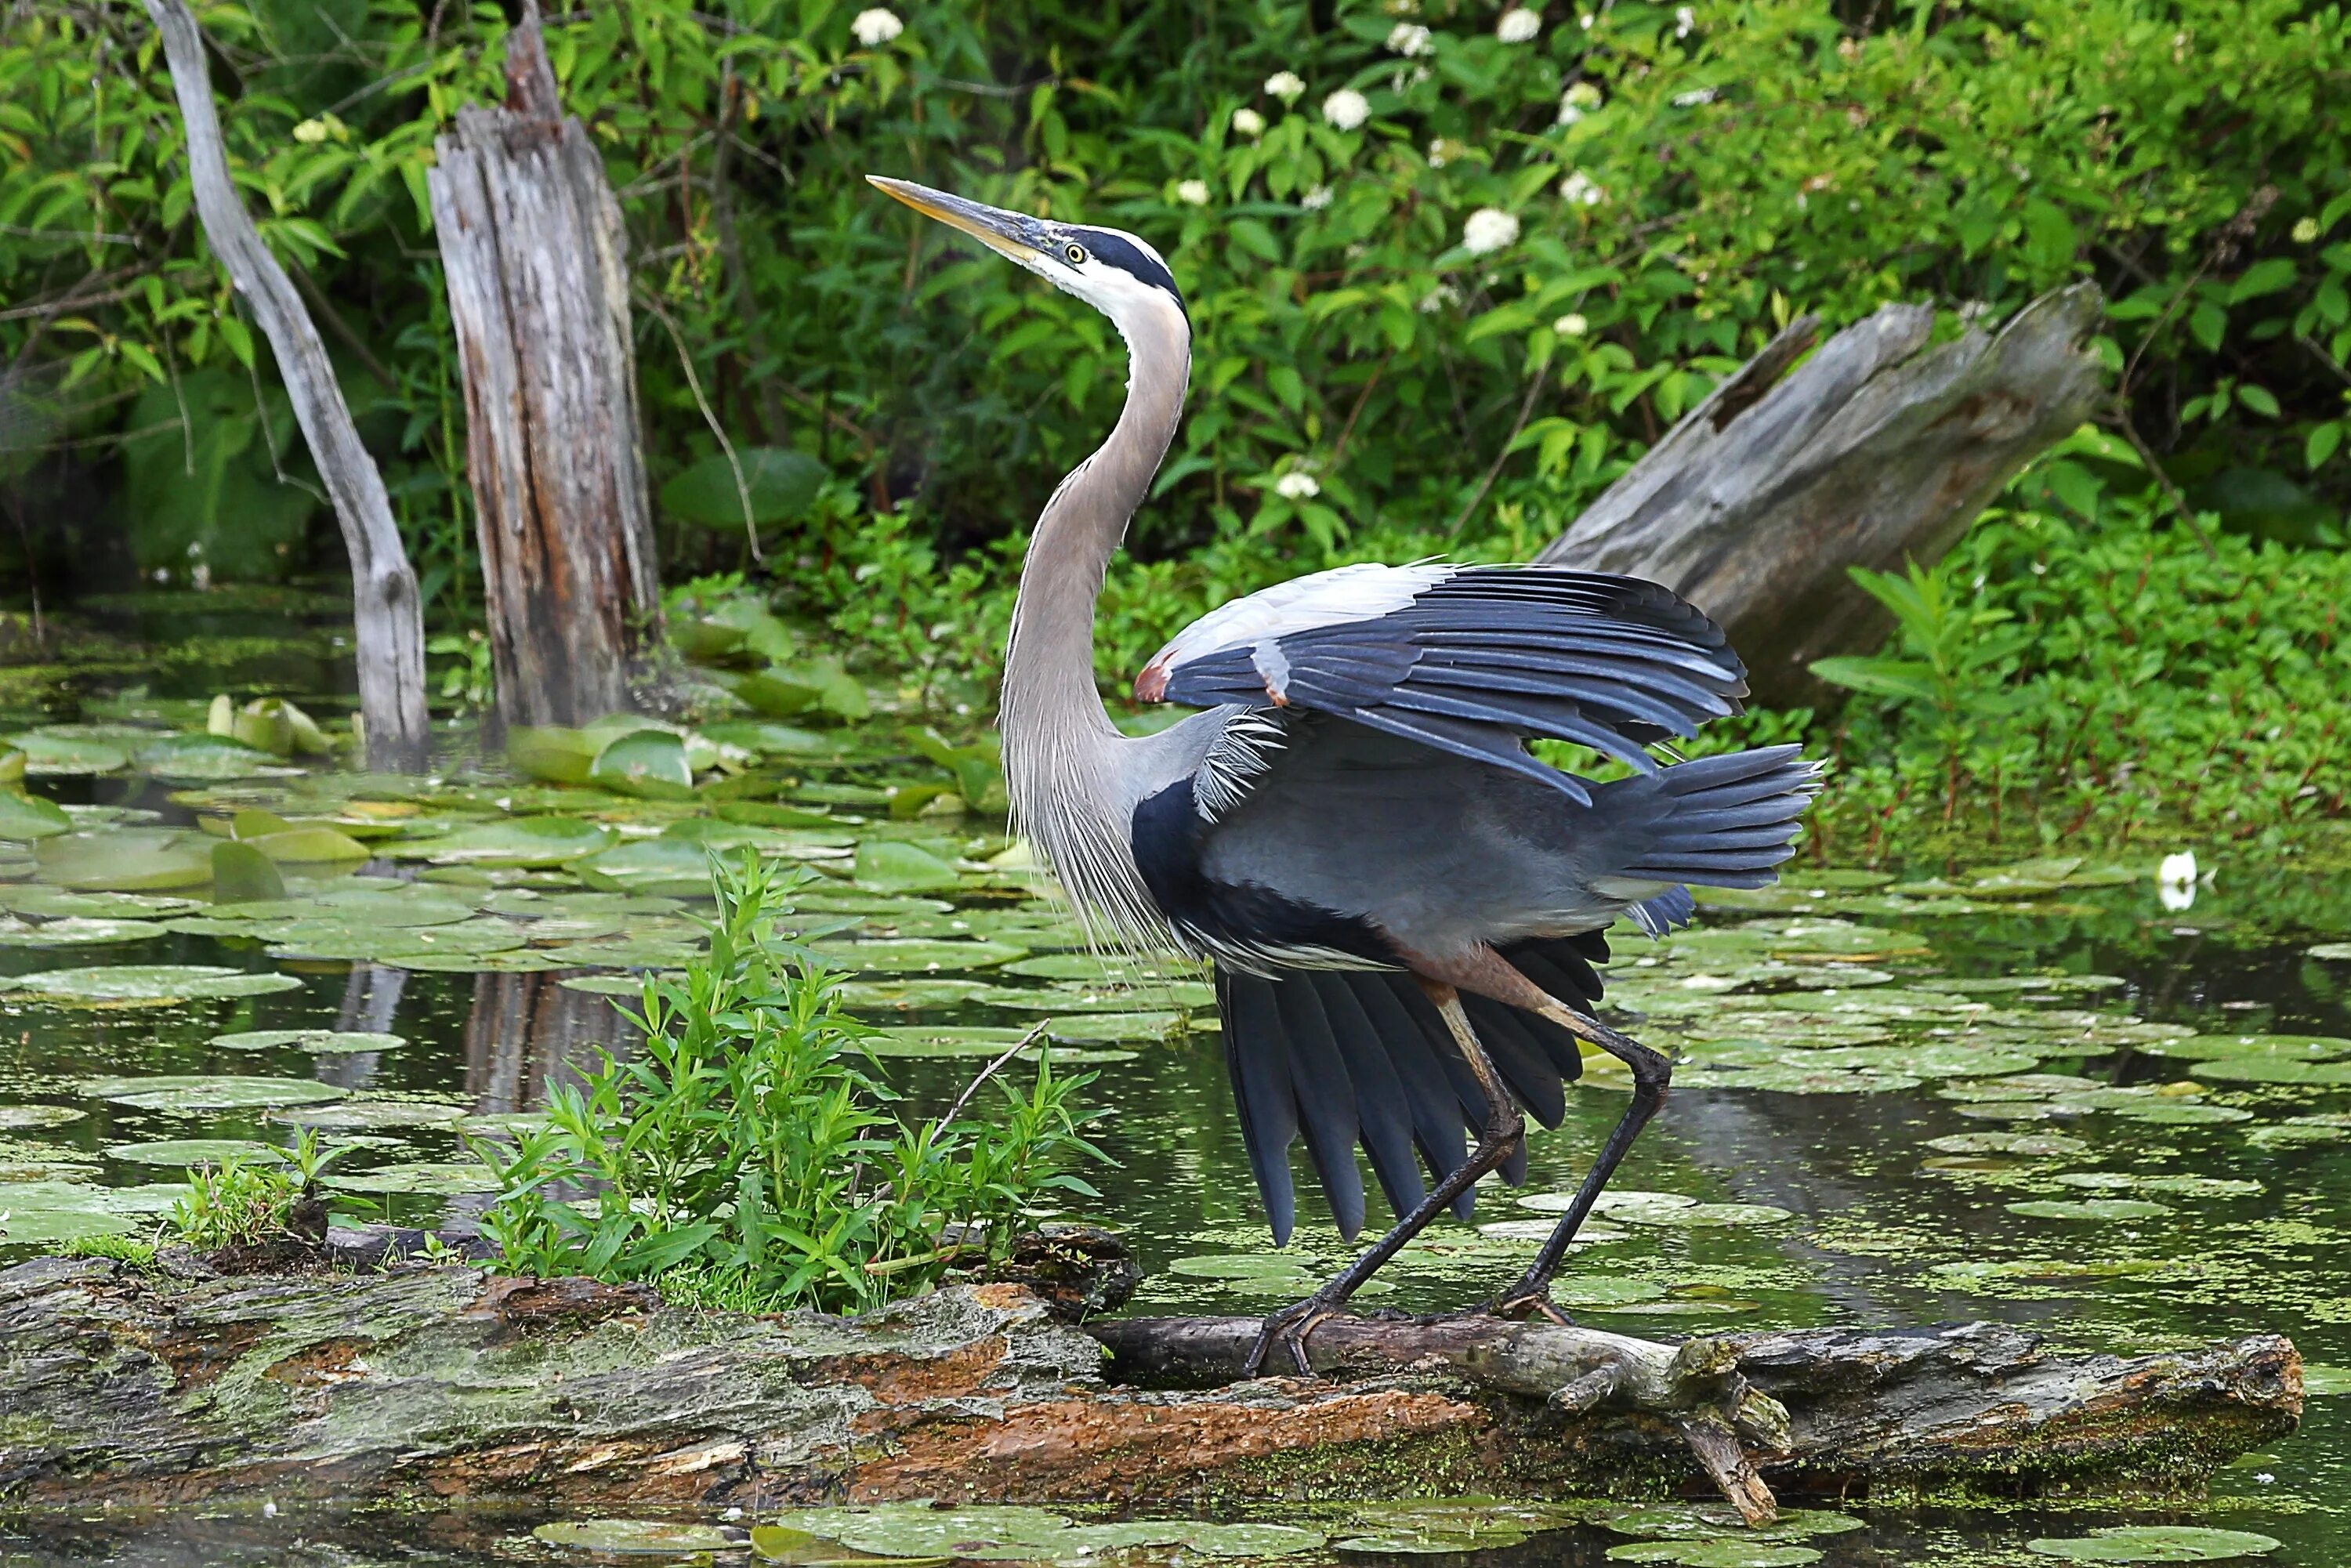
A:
{"x":1522,"y":1302}
{"x":1288,"y":1329}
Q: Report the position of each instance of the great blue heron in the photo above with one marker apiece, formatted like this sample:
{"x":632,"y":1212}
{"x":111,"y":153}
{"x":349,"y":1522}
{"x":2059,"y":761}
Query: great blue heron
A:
{"x":1403,"y":906}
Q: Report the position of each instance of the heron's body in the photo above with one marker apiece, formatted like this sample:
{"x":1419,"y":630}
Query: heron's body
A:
{"x":1403,"y":906}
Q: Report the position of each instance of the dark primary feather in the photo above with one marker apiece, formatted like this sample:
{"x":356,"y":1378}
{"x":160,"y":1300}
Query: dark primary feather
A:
{"x":1360,"y":1056}
{"x":1493,"y":654}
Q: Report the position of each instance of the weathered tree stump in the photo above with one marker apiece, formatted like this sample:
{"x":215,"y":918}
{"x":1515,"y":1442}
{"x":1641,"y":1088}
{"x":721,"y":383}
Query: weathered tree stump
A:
{"x":534,"y":255}
{"x":388,"y":618}
{"x":1875,"y":449}
{"x":436,"y":1384}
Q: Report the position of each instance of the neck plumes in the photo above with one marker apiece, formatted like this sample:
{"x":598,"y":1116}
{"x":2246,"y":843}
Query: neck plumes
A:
{"x":1061,"y":750}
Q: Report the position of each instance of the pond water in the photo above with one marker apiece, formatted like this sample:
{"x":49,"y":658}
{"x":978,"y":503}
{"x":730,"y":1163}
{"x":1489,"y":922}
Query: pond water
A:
{"x":2034,"y":1095}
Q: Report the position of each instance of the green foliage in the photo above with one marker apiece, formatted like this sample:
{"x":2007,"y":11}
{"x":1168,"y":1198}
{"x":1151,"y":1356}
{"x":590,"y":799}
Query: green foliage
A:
{"x":2090,"y":657}
{"x":745,"y":1155}
{"x":139,"y":1251}
{"x":245,"y":1203}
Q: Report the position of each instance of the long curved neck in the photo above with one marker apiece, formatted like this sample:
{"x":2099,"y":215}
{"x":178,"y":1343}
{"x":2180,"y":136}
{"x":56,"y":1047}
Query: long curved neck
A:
{"x":1060,"y":745}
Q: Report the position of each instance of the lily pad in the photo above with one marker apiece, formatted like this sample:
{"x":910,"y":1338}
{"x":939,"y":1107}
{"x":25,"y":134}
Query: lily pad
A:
{"x":2100,"y":1209}
{"x":2155,"y":1544}
{"x":27,"y":817}
{"x":155,"y":983}
{"x":182,"y":1151}
{"x":190,"y":1094}
{"x":66,"y":754}
{"x":2275,"y":1069}
{"x":75,"y":932}
{"x":896,"y":867}
{"x":1103,"y":970}
{"x":127,"y":860}
{"x":1253,"y":1539}
{"x":916,"y":955}
{"x":517,"y":842}
{"x":202,"y":757}
{"x":636,"y":1537}
{"x":322,"y":1041}
{"x":372,"y":1116}
{"x":38,"y":1118}
{"x":649,"y":763}
{"x":1717,"y":1553}
{"x":440,"y":1178}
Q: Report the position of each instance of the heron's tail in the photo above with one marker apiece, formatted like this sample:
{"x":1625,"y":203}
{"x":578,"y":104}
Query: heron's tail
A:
{"x":1717,"y":821}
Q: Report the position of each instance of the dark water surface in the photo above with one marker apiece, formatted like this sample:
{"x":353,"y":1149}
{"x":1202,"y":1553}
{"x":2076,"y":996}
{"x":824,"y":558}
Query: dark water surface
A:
{"x":1873,"y":1196}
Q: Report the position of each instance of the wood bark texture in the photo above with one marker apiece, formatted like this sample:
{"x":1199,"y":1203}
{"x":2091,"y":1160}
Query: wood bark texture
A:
{"x":387,"y":617}
{"x":447,"y":1383}
{"x":534,"y":255}
{"x":1875,"y":449}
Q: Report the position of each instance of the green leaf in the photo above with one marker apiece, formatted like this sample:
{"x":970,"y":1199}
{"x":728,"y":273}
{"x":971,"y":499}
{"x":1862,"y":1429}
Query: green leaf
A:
{"x":649,"y":763}
{"x":2267,"y":276}
{"x":242,"y":874}
{"x":782,"y":482}
{"x":1883,"y":678}
{"x":27,"y":817}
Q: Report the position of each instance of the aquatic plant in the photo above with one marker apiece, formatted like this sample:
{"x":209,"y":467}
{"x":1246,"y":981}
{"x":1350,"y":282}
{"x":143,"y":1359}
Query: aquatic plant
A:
{"x":746,"y":1152}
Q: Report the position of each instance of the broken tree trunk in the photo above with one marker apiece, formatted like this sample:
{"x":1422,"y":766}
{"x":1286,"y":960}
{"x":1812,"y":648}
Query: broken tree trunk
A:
{"x":387,"y":616}
{"x":534,"y":255}
{"x":444,"y":1382}
{"x":1876,"y":450}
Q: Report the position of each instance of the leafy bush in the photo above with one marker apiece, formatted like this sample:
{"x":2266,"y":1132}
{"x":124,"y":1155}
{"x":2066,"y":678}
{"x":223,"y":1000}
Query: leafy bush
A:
{"x":2088,"y":659}
{"x":744,"y":1156}
{"x":246,"y":1202}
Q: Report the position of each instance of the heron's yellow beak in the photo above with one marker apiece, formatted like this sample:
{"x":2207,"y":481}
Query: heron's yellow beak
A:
{"x":1010,"y":235}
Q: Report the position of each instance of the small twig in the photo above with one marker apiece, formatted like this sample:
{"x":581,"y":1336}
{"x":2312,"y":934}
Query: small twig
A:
{"x":2186,"y":514}
{"x":710,"y":418}
{"x":1526,"y":410}
{"x":990,"y":1071}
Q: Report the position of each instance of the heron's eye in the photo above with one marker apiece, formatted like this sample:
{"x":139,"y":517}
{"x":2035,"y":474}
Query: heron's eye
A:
{"x":1076,"y":253}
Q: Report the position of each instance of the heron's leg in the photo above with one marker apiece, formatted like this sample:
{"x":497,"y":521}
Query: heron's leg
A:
{"x":1653,"y":1073}
{"x":1504,"y":1128}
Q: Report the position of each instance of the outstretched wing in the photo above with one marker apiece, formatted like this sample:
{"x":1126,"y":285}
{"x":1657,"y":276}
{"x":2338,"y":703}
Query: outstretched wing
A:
{"x":1468,"y":660}
{"x":1336,"y":1058}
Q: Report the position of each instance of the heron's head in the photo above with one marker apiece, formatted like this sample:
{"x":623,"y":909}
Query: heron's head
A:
{"x":1115,"y":272}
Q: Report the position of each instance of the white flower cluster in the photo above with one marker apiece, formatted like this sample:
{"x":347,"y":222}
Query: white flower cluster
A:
{"x":1315,"y":199}
{"x":1577,"y":101}
{"x":876,"y":27}
{"x":1192,"y":192}
{"x":1519,"y":25}
{"x":1347,"y":109}
{"x":1249,"y":122}
{"x":1295,"y":487}
{"x":1695,"y":97}
{"x":1285,"y":86}
{"x":1572,"y":324}
{"x":1685,"y":19}
{"x":1578,"y":189}
{"x":1488,"y":229}
{"x":1408,"y":39}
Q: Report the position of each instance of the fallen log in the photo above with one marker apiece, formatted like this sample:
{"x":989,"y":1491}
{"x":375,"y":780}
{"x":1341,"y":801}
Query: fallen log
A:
{"x":1877,"y":449}
{"x":444,"y":1382}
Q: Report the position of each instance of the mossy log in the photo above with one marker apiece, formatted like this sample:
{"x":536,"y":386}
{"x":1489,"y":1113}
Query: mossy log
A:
{"x":442,"y":1383}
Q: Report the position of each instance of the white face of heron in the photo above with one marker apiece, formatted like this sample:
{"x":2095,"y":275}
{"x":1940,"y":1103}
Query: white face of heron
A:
{"x":1117,"y":273}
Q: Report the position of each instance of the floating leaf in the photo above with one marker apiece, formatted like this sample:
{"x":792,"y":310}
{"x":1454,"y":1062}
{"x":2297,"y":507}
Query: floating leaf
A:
{"x":38,"y":1118}
{"x":649,"y":763}
{"x":915,"y":955}
{"x":553,"y":753}
{"x":372,"y":1116}
{"x":896,"y":867}
{"x":78,"y":933}
{"x":127,"y":860}
{"x":635,"y":1537}
{"x":157,"y":983}
{"x":46,"y":752}
{"x":1250,"y":1266}
{"x":183,"y":1152}
{"x":1253,"y":1539}
{"x":436,"y":1178}
{"x":322,"y":1041}
{"x":1717,"y":1553}
{"x":519,"y":841}
{"x":28,"y":816}
{"x":2103,"y":1209}
{"x":2155,"y":1544}
{"x":187,"y":1094}
{"x":310,"y":845}
{"x":241,"y":872}
{"x":203,"y":757}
